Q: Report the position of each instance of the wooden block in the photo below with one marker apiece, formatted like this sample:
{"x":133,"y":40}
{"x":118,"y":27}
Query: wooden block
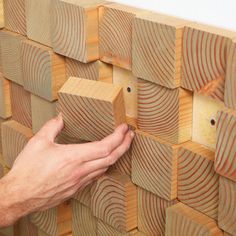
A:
{"x":44,"y":71}
{"x":94,"y":70}
{"x":204,"y":59}
{"x":115,"y":34}
{"x":64,"y":219}
{"x":157,"y":48}
{"x":164,"y":112}
{"x":42,"y":111}
{"x":198,"y":183}
{"x":38,"y":21}
{"x":14,"y":16}
{"x":230,"y":84}
{"x":152,"y":213}
{"x":84,"y":196}
{"x":11,"y":55}
{"x":225,"y":157}
{"x":114,"y":200}
{"x":182,"y":220}
{"x":83,"y":222}
{"x":123,"y":165}
{"x":227,"y":206}
{"x":1,"y":14}
{"x":21,"y":105}
{"x":26,"y":228}
{"x":91,"y":109}
{"x":5,"y":98}
{"x":74,"y":29}
{"x":154,"y":165}
{"x":1,"y":121}
{"x":14,"y":138}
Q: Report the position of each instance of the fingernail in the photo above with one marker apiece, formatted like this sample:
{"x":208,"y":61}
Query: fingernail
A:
{"x":132,"y":134}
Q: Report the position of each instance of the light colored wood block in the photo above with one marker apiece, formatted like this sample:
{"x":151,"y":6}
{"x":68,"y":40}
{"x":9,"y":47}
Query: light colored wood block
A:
{"x":115,"y":34}
{"x":11,"y":55}
{"x":157,"y":48}
{"x":91,"y":109}
{"x":94,"y":70}
{"x":14,"y":138}
{"x":21,"y":105}
{"x":1,"y":121}
{"x":83,"y":222}
{"x":44,"y":72}
{"x":225,"y":157}
{"x":198,"y":183}
{"x":1,"y":14}
{"x":204,"y":59}
{"x":152,"y":213}
{"x":14,"y":16}
{"x":84,"y":196}
{"x":123,"y":165}
{"x":227,"y":206}
{"x":74,"y":29}
{"x":182,"y":220}
{"x":164,"y":112}
{"x":5,"y":98}
{"x":38,"y":21}
{"x":230,"y":79}
{"x":114,"y":200}
{"x":154,"y":165}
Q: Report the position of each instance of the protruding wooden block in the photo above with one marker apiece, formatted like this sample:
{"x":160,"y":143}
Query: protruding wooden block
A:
{"x":38,"y":20}
{"x":84,"y":196}
{"x":94,"y":70}
{"x":14,"y":16}
{"x":21,"y":105}
{"x":198,"y":183}
{"x":225,"y":157}
{"x":75,"y":29}
{"x":182,"y":220}
{"x":157,"y":48}
{"x":114,"y":200}
{"x":152,"y":213}
{"x":91,"y":109}
{"x":154,"y":165}
{"x":123,"y":165}
{"x":115,"y":34}
{"x":11,"y":55}
{"x":227,"y":206}
{"x":83,"y":222}
{"x":14,"y":138}
{"x":230,"y":79}
{"x":44,"y":72}
{"x":5,"y":98}
{"x":204,"y":59}
{"x":1,"y":14}
{"x":164,"y":112}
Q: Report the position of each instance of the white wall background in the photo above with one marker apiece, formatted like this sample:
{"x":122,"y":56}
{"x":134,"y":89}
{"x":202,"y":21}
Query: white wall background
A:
{"x":221,"y":13}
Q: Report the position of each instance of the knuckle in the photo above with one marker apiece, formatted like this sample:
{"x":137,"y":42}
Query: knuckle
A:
{"x":105,"y":150}
{"x":111,"y":160}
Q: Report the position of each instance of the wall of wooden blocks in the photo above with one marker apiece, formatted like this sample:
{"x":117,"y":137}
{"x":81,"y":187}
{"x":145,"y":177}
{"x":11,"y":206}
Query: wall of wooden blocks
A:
{"x":102,"y":64}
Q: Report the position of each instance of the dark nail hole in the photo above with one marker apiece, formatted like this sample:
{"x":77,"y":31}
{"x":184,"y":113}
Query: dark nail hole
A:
{"x":128,"y":89}
{"x":213,"y":122}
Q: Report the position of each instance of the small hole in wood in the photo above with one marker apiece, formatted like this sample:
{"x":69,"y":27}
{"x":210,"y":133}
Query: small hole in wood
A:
{"x":213,"y":122}
{"x":128,"y":89}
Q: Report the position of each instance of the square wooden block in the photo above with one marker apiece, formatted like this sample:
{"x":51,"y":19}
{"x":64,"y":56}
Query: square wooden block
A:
{"x":154,"y":165}
{"x":91,"y":109}
{"x":5,"y":98}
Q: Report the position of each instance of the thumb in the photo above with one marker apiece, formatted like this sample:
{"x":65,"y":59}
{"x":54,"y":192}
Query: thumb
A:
{"x":52,"y":128}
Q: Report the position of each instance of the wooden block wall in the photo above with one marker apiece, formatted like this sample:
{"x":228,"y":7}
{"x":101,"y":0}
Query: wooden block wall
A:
{"x":102,"y":64}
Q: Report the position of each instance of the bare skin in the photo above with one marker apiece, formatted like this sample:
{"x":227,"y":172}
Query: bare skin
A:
{"x":46,"y":173}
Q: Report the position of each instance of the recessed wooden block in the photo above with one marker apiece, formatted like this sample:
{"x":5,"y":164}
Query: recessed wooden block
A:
{"x":115,"y":34}
{"x":164,"y":112}
{"x":154,"y":165}
{"x":157,"y":48}
{"x":1,"y":14}
{"x":83,"y":222}
{"x":21,"y":105}
{"x":198,"y":183}
{"x":38,"y":20}
{"x":227,"y":206}
{"x":225,"y":157}
{"x":14,"y":16}
{"x":74,"y":29}
{"x":204,"y":59}
{"x":181,"y":220}
{"x":84,"y":196}
{"x":14,"y":138}
{"x":152,"y":213}
{"x":44,"y":71}
{"x":94,"y":70}
{"x":5,"y":98}
{"x":91,"y":109}
{"x":114,"y":200}
{"x":11,"y":55}
{"x":230,"y":79}
{"x":205,"y":120}
{"x":123,"y":165}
